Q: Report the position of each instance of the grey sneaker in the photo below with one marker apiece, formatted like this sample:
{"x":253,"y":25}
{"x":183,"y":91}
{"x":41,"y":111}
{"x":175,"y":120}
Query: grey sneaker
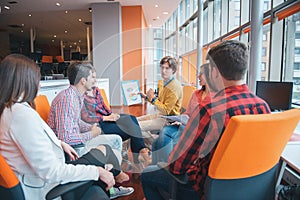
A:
{"x":121,"y":191}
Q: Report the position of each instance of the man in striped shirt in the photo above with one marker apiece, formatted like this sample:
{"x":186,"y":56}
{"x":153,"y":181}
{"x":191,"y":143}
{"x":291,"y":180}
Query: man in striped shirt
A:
{"x":64,"y":117}
{"x":229,"y":96}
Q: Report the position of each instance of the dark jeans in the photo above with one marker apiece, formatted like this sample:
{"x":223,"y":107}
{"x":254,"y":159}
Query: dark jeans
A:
{"x":155,"y":179}
{"x":97,"y":158}
{"x":127,"y":127}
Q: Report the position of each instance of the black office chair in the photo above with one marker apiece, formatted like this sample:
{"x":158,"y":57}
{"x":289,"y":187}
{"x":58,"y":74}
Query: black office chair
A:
{"x":47,"y":66}
{"x":10,"y":187}
{"x":62,"y":66}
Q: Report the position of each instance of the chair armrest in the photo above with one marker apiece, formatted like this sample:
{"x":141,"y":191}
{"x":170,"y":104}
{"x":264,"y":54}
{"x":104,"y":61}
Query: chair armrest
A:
{"x":180,"y":178}
{"x":62,"y":189}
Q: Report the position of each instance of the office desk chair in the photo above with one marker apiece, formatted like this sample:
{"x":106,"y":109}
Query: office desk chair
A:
{"x":62,"y":66}
{"x":104,"y":96}
{"x":47,"y":66}
{"x":245,"y":161}
{"x":10,"y":187}
{"x":42,"y":106}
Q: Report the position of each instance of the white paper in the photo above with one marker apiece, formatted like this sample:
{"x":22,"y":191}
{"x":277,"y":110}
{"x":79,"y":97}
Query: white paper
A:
{"x":130,"y":92}
{"x":178,"y":118}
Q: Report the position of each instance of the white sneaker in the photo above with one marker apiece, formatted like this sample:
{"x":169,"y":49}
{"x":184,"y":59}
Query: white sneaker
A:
{"x":121,"y":191}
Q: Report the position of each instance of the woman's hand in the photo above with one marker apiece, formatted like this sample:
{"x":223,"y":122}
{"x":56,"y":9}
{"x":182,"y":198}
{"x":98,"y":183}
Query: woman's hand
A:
{"x":107,"y":177}
{"x":69,"y":150}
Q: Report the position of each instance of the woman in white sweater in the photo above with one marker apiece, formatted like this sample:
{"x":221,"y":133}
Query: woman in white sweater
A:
{"x":31,"y":148}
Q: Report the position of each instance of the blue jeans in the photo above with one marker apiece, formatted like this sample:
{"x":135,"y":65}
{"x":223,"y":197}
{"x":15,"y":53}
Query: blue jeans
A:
{"x":153,"y":178}
{"x":164,"y":144}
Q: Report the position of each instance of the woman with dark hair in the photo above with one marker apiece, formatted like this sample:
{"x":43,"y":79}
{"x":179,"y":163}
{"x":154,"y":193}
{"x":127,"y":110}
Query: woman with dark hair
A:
{"x":31,"y":148}
{"x":126,"y":126}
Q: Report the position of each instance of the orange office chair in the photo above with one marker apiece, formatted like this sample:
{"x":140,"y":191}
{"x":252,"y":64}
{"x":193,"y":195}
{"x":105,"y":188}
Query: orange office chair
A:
{"x":10,"y":187}
{"x":105,"y":99}
{"x":187,"y":94}
{"x":246,"y":159}
{"x":42,"y":106}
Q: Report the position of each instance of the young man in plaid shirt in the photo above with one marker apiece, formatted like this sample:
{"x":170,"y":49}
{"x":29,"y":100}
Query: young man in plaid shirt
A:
{"x":229,"y":96}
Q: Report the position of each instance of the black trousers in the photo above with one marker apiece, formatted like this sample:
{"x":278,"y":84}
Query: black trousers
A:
{"x":127,"y":127}
{"x":97,"y":158}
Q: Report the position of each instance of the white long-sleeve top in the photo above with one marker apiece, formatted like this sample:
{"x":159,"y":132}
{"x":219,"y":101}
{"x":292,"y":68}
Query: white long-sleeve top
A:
{"x":35,"y":154}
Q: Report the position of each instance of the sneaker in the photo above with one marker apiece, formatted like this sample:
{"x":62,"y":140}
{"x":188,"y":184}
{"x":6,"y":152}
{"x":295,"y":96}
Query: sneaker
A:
{"x":121,"y":191}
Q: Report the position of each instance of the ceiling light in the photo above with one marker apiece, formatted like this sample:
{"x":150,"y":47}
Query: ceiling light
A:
{"x":23,"y":24}
{"x":7,"y":7}
{"x":52,"y":40}
{"x":156,"y":5}
{"x":29,"y":15}
{"x":70,"y":46}
{"x":54,"y":36}
{"x":66,"y":31}
{"x":157,"y":17}
{"x":165,"y":13}
{"x":79,"y":20}
{"x":79,"y":40}
{"x":57,"y":4}
{"x":22,"y":31}
{"x":66,"y":12}
{"x":90,"y":9}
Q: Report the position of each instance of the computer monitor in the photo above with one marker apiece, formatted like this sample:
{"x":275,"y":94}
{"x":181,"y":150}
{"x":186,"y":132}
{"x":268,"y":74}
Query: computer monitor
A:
{"x":277,"y":94}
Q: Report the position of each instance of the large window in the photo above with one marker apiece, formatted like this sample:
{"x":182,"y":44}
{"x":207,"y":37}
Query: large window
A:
{"x":205,"y":26}
{"x":187,"y":9}
{"x":296,"y":66}
{"x":292,"y":53}
{"x":234,"y":14}
{"x":267,"y":5}
{"x":217,"y":18}
{"x":280,"y":51}
{"x":263,"y":66}
{"x":265,"y":53}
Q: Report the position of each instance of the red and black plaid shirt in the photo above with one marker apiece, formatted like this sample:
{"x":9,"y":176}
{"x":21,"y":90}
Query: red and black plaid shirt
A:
{"x":193,"y":152}
{"x":94,"y":108}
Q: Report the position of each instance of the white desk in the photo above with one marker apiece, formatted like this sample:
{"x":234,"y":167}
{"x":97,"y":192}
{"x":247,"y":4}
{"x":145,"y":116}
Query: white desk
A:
{"x":290,"y":157}
{"x":51,"y":88}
